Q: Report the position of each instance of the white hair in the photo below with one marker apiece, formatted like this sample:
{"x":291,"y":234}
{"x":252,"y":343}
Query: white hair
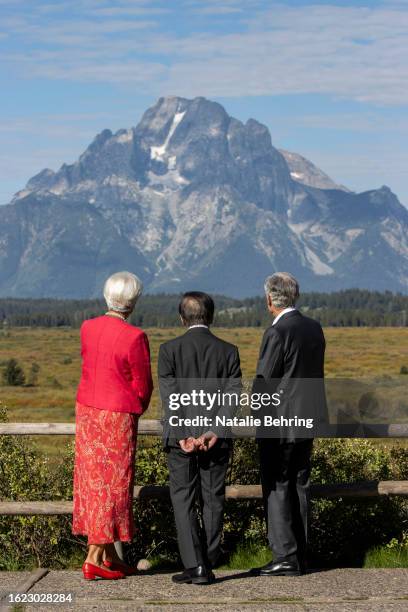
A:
{"x":122,"y":290}
{"x":283,"y":289}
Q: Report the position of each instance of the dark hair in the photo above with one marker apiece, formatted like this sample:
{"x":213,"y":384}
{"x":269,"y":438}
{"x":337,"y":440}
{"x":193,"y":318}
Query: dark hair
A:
{"x":196,"y":308}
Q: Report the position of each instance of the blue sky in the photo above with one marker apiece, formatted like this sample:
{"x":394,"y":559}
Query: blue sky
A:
{"x":330,"y":79}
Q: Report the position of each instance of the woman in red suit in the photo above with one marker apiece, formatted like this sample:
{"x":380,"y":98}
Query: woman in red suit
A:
{"x":114,"y":390}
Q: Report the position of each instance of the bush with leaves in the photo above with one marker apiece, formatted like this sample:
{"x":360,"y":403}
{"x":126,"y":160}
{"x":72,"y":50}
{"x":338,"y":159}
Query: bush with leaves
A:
{"x":28,"y":541}
{"x":342,"y":530}
{"x":13,"y":374}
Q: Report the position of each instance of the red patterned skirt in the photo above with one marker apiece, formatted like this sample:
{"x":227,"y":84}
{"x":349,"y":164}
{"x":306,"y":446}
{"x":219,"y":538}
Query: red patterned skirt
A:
{"x":105,"y":446}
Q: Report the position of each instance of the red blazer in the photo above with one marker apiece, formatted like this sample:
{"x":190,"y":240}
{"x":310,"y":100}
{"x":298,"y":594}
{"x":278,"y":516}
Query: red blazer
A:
{"x":116,"y":372}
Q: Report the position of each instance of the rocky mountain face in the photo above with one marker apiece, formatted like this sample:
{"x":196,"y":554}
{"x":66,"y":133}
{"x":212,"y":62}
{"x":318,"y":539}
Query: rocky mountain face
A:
{"x":303,"y":171}
{"x":193,"y":198}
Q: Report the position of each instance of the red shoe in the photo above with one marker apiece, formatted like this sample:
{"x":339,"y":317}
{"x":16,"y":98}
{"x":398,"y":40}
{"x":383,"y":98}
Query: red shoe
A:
{"x":92,"y":572}
{"x":125,"y":569}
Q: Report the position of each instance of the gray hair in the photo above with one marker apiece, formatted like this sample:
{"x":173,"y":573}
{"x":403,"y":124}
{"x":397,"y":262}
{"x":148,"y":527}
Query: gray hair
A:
{"x":122,"y":290}
{"x":283,"y":289}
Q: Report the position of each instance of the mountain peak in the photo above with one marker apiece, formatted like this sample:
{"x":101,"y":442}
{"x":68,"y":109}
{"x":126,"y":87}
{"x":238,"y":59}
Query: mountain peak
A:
{"x":304,"y":171}
{"x":194,"y":197}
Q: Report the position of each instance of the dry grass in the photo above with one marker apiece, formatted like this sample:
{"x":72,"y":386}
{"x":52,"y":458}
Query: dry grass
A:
{"x":350,"y":352}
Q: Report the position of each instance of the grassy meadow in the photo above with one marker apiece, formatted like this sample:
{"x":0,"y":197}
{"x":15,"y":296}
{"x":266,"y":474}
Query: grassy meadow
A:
{"x":50,"y":396}
{"x":350,"y":352}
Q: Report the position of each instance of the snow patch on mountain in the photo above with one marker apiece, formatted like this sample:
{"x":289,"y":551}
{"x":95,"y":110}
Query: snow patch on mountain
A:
{"x":158,"y":153}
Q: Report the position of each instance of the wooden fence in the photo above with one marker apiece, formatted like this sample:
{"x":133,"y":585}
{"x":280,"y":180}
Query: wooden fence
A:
{"x":154,"y":428}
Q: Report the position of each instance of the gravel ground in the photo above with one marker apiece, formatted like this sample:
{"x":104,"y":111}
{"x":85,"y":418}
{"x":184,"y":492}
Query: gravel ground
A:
{"x":340,"y":589}
{"x":8,"y":581}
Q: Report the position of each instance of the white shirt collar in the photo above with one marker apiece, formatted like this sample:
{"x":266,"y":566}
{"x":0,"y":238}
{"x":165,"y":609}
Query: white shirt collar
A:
{"x":283,"y":312}
{"x":198,"y":325}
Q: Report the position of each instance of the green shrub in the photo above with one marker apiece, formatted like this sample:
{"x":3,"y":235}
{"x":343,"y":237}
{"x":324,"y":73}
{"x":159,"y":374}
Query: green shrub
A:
{"x":342,"y":530}
{"x":13,"y":374}
{"x":27,"y":541}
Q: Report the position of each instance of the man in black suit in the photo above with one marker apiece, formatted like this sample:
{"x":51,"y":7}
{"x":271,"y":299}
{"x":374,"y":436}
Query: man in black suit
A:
{"x":291,"y":357}
{"x":197,"y":458}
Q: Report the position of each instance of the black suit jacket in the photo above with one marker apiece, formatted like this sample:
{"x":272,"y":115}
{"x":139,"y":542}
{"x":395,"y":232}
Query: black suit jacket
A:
{"x":197,"y":355}
{"x":292,"y":355}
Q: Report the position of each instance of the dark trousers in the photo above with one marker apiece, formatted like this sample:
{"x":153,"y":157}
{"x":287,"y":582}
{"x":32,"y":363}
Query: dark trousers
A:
{"x":197,"y":491}
{"x":285,"y":477}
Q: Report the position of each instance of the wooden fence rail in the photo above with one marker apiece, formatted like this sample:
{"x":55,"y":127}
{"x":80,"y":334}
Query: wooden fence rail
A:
{"x":353,"y":490}
{"x":153,"y":427}
{"x":147,"y":427}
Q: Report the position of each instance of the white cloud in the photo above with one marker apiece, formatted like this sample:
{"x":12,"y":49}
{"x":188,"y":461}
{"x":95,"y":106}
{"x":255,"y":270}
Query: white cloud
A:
{"x":367,"y":122}
{"x":53,"y":125}
{"x":356,"y":53}
{"x":219,"y":9}
{"x":342,"y":51}
{"x":129,"y":73}
{"x":114,"y":11}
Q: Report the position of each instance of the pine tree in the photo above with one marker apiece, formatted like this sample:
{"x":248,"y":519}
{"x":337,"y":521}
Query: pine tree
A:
{"x":13,"y":374}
